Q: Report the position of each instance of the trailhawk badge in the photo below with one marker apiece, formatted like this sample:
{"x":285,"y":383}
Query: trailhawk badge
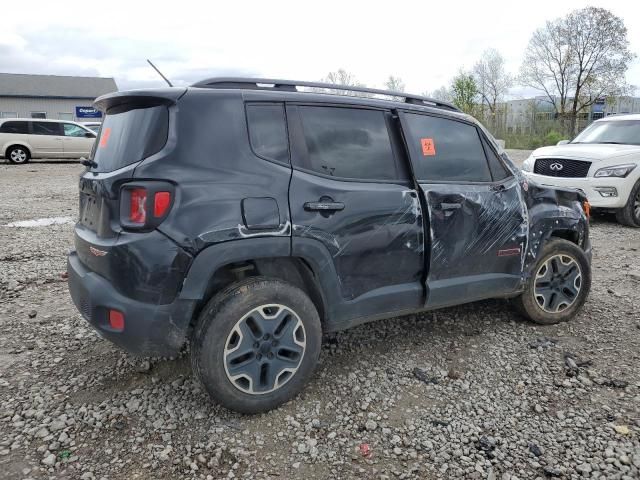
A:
{"x":96,"y":252}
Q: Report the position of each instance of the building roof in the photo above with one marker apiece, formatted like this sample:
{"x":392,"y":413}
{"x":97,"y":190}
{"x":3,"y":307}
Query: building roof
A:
{"x":25,"y":85}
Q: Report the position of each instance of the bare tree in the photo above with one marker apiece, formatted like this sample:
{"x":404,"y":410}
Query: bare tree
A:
{"x":492,"y":79}
{"x":342,"y":77}
{"x":443,"y":94}
{"x":577,"y":59}
{"x":394,"y":83}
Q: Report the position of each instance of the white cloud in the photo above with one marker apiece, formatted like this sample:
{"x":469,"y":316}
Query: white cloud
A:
{"x":425,"y":43}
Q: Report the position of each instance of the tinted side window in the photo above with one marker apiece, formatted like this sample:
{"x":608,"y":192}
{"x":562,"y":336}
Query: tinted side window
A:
{"x":14,"y":127}
{"x":498,"y":170}
{"x":447,"y":150}
{"x":268,"y":131}
{"x":47,"y":128}
{"x":348,"y":143}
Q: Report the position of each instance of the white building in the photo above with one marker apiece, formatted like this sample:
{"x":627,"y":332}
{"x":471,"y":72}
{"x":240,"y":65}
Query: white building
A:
{"x":52,"y":96}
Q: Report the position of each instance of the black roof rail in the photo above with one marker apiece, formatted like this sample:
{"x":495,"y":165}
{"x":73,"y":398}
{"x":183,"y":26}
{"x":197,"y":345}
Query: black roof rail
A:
{"x":291,"y":86}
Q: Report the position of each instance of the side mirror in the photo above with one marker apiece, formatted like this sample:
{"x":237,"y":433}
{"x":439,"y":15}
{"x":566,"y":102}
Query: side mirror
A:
{"x":562,"y":142}
{"x":90,"y":135}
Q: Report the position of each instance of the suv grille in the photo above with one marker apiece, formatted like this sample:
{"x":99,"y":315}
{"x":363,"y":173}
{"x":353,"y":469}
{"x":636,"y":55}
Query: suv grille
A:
{"x":561,"y":167}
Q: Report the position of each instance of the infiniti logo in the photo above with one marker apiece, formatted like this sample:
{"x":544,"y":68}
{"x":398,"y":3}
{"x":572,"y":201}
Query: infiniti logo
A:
{"x":556,"y":167}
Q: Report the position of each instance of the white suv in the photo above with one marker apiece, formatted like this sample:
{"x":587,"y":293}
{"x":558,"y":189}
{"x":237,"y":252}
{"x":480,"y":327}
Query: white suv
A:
{"x":603,"y":161}
{"x":24,"y":138}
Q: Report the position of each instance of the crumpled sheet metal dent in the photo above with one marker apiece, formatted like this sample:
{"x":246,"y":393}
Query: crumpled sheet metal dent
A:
{"x":337,"y":244}
{"x":240,"y":231}
{"x":499,"y":219}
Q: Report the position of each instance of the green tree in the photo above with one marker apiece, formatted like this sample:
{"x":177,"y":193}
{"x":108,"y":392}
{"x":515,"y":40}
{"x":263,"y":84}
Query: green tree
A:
{"x":464,"y":92}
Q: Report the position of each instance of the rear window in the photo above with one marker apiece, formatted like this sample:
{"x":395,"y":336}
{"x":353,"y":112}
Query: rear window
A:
{"x":14,"y":127}
{"x":47,"y":128}
{"x":128,"y":136}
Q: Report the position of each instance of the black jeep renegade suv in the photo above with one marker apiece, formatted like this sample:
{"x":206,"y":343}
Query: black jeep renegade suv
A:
{"x":247,"y":218}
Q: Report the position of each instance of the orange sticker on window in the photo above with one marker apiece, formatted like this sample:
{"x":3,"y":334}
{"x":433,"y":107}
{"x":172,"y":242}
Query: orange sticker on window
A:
{"x":104,"y":137}
{"x":428,"y":147}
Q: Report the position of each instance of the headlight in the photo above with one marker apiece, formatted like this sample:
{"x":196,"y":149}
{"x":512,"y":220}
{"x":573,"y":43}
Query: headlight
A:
{"x":527,"y":166}
{"x":615,"y":171}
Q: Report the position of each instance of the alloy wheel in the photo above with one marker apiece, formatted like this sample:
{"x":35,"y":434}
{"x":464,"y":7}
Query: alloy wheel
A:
{"x":557,"y":283}
{"x":264,"y":349}
{"x":636,"y":206}
{"x":18,"y":155}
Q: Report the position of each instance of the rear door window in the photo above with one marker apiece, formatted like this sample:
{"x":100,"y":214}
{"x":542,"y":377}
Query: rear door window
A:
{"x":129,"y":135}
{"x":446,"y":150}
{"x":15,"y":127}
{"x":47,"y":128}
{"x":349,"y":143}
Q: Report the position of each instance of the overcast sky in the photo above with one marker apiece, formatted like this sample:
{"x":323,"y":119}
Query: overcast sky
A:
{"x":424,"y":43}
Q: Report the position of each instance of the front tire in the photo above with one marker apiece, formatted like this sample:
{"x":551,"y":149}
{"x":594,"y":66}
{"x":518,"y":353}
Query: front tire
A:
{"x":256,"y":344}
{"x":629,"y":215}
{"x":18,"y":155}
{"x":558,"y":286}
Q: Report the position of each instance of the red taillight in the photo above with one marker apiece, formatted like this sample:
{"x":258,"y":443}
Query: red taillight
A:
{"x":137,"y":205}
{"x":116,"y":320}
{"x":161,"y":202}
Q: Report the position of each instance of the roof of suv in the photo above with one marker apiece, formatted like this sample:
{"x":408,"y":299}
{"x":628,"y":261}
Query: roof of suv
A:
{"x":266,"y":89}
{"x":281,"y":90}
{"x":318,"y":87}
{"x":620,"y":117}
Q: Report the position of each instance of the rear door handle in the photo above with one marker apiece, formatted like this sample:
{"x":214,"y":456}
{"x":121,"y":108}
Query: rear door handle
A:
{"x":498,"y":188}
{"x":450,"y":206}
{"x":324,"y":206}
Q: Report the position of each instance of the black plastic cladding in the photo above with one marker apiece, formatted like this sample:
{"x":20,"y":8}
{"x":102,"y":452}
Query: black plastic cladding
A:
{"x":397,"y":247}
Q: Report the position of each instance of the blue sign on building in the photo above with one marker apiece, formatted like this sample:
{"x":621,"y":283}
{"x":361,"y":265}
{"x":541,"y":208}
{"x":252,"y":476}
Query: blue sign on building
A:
{"x":88,"y":112}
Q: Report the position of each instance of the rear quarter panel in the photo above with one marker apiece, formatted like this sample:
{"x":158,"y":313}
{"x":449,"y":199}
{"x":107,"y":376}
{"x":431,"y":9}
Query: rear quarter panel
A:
{"x":214,"y":170}
{"x":9,"y":139}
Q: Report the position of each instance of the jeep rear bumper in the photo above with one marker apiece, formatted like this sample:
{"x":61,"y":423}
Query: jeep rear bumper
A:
{"x":149,"y":329}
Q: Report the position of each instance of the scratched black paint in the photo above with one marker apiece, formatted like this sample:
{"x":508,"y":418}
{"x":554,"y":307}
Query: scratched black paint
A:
{"x":395,"y":247}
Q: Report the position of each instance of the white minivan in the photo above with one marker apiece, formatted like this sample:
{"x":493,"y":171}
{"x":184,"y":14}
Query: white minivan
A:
{"x":24,"y":138}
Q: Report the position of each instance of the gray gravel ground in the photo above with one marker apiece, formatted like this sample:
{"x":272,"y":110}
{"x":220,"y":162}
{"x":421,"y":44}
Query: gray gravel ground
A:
{"x":468,"y":392}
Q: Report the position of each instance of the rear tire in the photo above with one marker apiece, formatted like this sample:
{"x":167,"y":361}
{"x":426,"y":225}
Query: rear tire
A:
{"x":558,"y":286}
{"x":629,"y":215}
{"x":18,"y":155}
{"x":256,"y":344}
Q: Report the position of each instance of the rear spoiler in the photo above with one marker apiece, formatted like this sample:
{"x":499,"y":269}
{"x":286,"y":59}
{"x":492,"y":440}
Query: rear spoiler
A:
{"x":150,"y":97}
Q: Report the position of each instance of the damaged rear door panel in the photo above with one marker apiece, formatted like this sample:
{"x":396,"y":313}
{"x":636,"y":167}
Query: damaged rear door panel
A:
{"x":351,"y":194}
{"x":477,"y":219}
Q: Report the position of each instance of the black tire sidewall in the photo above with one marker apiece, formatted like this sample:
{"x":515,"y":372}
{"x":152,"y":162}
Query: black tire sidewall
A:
{"x":215,"y":323}
{"x":626,"y":215}
{"x":526,"y":302}
{"x":18,"y":147}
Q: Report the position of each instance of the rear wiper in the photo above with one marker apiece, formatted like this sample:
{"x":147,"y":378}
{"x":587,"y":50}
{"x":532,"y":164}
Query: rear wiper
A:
{"x":611,"y":143}
{"x":89,"y":163}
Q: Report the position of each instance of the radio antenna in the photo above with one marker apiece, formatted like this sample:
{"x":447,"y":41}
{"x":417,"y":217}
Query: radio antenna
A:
{"x":160,"y":73}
